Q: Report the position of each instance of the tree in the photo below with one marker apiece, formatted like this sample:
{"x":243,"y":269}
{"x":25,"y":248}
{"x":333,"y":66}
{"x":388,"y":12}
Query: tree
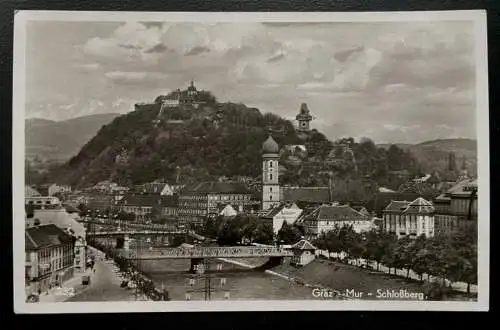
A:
{"x":402,"y":259}
{"x":289,"y":234}
{"x":264,"y":233}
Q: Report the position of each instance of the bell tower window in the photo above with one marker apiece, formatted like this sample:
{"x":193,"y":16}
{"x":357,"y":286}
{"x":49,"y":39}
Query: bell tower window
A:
{"x":270,"y":176}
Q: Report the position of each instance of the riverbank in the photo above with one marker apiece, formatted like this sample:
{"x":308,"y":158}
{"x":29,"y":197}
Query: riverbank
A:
{"x":345,"y":280}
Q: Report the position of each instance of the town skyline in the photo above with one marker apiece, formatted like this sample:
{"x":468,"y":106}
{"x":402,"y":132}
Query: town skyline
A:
{"x":250,"y":63}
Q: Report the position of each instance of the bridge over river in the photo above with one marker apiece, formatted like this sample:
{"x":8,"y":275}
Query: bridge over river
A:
{"x":199,"y":252}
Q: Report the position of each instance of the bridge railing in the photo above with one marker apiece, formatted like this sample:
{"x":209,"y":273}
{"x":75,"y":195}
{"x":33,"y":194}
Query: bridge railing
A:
{"x":214,"y":252}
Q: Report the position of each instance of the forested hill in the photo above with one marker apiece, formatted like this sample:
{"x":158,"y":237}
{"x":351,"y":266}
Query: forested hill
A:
{"x":185,"y":144}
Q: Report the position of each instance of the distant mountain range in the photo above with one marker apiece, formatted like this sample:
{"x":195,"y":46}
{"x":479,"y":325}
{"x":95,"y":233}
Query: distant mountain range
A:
{"x":60,"y":140}
{"x":435,"y":153}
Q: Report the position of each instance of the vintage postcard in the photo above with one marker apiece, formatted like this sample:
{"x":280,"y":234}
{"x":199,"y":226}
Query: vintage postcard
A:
{"x":250,"y":161}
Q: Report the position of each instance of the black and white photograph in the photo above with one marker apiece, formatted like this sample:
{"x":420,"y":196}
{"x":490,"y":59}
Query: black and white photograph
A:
{"x":293,"y":161}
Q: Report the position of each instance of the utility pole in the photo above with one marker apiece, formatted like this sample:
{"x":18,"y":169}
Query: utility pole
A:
{"x":208,"y":288}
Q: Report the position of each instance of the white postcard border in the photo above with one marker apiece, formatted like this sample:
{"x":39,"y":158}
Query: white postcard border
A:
{"x":19,"y":76}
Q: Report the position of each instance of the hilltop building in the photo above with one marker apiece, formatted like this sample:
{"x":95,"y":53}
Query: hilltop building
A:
{"x":410,"y":219}
{"x":270,"y":173}
{"x":304,"y":118}
{"x":184,"y":97}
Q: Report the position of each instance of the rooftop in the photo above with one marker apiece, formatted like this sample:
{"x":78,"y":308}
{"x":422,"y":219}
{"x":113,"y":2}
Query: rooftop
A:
{"x":303,"y":245}
{"x":148,"y":200}
{"x":419,"y":205}
{"x":337,"y":213}
{"x":217,"y":188}
{"x":461,"y":188}
{"x":44,"y":236}
{"x":279,"y":208}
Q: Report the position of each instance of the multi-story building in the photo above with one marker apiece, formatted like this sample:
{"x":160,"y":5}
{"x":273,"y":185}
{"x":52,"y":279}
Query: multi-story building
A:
{"x":411,"y":219}
{"x":200,"y":200}
{"x":67,"y":222}
{"x":145,"y":207}
{"x":408,"y":191}
{"x":49,"y":257}
{"x":328,"y":217}
{"x":157,"y":188}
{"x":457,"y":207}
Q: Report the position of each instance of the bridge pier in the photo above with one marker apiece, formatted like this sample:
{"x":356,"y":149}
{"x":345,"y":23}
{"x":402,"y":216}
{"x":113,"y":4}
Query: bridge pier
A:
{"x":195,"y":262}
{"x":120,"y":242}
{"x":126,"y":242}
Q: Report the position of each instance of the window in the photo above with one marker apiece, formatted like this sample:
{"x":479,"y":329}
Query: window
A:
{"x":270,"y":176}
{"x":270,"y":189}
{"x":270,"y":197}
{"x":271,"y":164}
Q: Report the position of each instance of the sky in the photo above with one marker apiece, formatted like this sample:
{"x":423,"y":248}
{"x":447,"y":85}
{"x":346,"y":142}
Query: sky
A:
{"x":394,"y":82}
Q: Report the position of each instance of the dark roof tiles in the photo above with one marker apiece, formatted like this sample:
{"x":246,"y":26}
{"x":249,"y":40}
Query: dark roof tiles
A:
{"x":217,"y":188}
{"x":44,"y":236}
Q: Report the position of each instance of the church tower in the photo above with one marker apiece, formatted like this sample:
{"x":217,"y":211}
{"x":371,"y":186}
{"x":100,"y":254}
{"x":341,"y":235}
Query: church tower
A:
{"x":304,"y":117}
{"x":270,"y":167}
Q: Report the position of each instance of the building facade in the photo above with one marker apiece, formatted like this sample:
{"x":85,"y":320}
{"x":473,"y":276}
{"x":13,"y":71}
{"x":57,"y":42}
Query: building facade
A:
{"x":42,"y":202}
{"x":329,"y":217}
{"x":270,"y":174}
{"x":410,"y":219}
{"x":286,"y":212}
{"x":200,"y":200}
{"x":146,"y":207}
{"x":303,"y":253}
{"x":69,"y":223}
{"x":457,"y":207}
{"x":49,"y":258}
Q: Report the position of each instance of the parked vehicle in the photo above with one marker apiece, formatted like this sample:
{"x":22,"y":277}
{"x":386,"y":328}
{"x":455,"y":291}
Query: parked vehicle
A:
{"x":86,"y":280}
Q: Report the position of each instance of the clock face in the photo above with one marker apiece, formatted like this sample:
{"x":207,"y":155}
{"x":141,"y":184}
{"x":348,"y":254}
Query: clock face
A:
{"x":303,"y":124}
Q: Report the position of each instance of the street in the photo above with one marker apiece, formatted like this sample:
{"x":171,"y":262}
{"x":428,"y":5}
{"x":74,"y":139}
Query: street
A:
{"x":104,"y":286}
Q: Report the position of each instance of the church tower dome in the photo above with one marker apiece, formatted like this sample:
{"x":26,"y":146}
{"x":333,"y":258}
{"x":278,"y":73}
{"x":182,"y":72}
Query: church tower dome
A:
{"x":270,"y":146}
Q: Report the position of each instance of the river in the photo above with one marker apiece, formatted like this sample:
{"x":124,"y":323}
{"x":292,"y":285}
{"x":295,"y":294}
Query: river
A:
{"x":237,"y":282}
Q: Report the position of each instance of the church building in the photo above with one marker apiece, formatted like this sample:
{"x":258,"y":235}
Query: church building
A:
{"x":270,"y":172}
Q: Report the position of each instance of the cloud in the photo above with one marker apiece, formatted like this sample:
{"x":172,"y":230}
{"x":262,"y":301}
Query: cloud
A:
{"x":134,"y":77}
{"x":88,"y":66}
{"x":384,"y":78}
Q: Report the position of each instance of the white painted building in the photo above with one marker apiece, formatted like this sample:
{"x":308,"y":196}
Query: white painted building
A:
{"x":411,"y":219}
{"x":288,"y":213}
{"x":328,"y":217}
